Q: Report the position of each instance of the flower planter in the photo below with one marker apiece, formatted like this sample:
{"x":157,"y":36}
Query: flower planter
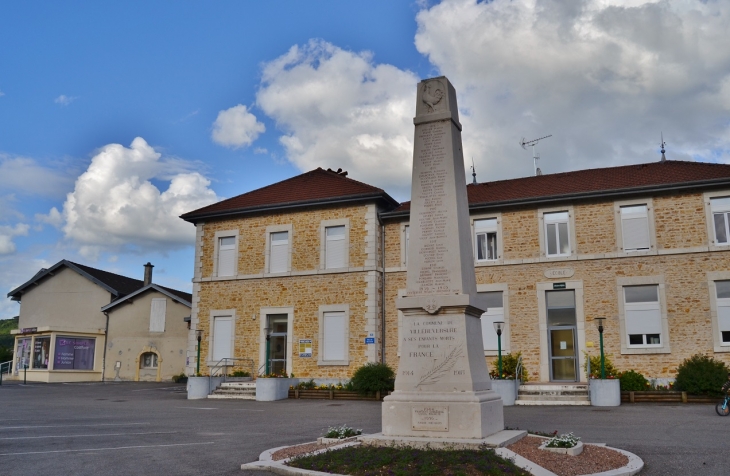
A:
{"x":605,"y":393}
{"x":270,"y":389}
{"x":507,"y":389}
{"x":574,"y":451}
{"x":325,"y":394}
{"x":201,"y":387}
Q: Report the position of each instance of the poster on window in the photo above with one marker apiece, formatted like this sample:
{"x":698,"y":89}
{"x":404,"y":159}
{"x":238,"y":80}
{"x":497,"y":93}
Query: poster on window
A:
{"x":74,"y":354}
{"x":41,"y":346}
{"x":23,"y":353}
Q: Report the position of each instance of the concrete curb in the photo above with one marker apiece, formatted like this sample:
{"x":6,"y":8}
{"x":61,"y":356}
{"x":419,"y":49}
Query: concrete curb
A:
{"x":279,"y":467}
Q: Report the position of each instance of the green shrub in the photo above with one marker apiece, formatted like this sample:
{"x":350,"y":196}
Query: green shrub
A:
{"x":308,"y":385}
{"x":181,"y":377}
{"x":240,"y":373}
{"x":701,"y":375}
{"x":6,"y":354}
{"x":373,"y":377}
{"x":633,"y":381}
{"x":595,"y":360}
{"x":509,"y":367}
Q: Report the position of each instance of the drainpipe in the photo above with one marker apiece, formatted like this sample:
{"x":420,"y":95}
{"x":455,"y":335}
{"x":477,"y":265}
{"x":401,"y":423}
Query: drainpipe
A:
{"x":106,"y":343}
{"x":382,"y":292}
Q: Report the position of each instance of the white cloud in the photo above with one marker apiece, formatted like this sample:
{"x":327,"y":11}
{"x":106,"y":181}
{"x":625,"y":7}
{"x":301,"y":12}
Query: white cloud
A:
{"x":236,"y":127}
{"x":64,"y":100}
{"x":54,"y":218}
{"x":604,"y":77}
{"x":260,"y":150}
{"x":2,"y":94}
{"x":25,"y":175}
{"x":340,"y":109}
{"x":6,"y":237}
{"x":115,"y":206}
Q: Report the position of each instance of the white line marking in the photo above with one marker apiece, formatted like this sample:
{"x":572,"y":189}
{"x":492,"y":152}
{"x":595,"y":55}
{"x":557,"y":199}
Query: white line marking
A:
{"x":161,"y":388}
{"x":67,"y":426}
{"x":99,"y":434}
{"x":106,"y":449}
{"x":197,"y":408}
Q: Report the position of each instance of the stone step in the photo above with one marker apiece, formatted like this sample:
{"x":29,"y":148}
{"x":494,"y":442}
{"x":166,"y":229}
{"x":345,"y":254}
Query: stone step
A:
{"x":553,"y":392}
{"x":232,"y":396}
{"x":555,"y":398}
{"x":242,"y":391}
{"x":238,"y":385}
{"x":552,"y":402}
{"x":583,"y":387}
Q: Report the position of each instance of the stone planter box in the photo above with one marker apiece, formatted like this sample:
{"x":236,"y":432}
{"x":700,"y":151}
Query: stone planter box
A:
{"x":270,"y":389}
{"x":327,"y":441}
{"x":201,"y":387}
{"x":574,"y":451}
{"x":605,"y":393}
{"x":507,"y":389}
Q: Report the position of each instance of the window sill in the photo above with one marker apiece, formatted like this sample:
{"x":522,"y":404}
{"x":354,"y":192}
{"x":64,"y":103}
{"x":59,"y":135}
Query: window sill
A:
{"x":645,"y":350}
{"x":333,"y":362}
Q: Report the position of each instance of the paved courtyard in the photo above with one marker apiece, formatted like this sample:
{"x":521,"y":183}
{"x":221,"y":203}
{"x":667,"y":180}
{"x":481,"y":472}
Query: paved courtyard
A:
{"x":152,"y":429}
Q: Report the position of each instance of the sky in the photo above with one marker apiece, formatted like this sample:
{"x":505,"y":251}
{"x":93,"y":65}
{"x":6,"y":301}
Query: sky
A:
{"x":117,"y":117}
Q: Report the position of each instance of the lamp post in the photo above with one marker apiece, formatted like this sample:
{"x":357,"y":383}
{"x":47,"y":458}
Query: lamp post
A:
{"x":268,"y":342}
{"x":199,"y":337}
{"x":599,"y":325}
{"x":499,"y":326}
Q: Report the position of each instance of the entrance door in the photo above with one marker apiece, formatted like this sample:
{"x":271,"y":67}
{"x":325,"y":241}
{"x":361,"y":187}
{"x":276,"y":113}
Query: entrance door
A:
{"x":561,"y":321}
{"x":222,"y":337}
{"x":276,"y":343}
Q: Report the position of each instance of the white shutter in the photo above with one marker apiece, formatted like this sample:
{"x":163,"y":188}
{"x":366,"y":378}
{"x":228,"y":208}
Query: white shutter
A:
{"x":157,"y":315}
{"x":227,"y":256}
{"x":723,"y":314}
{"x":489,"y":335}
{"x":335,"y":247}
{"x":279,"y":258}
{"x":635,"y":228}
{"x":643,"y":318}
{"x":333,"y":347}
{"x":222,"y":333}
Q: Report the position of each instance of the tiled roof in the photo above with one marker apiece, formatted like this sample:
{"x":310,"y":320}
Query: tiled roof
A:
{"x":592,"y":182}
{"x":122,"y":284}
{"x":315,"y":187}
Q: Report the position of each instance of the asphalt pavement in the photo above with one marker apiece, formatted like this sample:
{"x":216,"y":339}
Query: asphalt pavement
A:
{"x":152,"y":429}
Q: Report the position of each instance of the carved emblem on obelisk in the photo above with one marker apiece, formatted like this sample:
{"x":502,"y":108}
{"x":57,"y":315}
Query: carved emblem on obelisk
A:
{"x":433,"y":94}
{"x":431,"y":306}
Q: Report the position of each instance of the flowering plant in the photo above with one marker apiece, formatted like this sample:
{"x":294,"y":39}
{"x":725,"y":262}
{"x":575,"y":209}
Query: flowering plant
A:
{"x":343,"y":431}
{"x":567,"y":440}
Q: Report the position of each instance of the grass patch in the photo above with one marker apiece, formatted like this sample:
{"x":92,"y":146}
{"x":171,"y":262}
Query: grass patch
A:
{"x":404,"y":461}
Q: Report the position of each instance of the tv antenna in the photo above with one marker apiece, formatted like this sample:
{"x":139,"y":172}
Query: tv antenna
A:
{"x":535,"y":155}
{"x":473,"y":172}
{"x":664,"y":158}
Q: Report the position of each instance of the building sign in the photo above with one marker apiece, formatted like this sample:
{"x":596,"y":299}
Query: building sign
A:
{"x":28,"y":330}
{"x":370,"y":339}
{"x":557,"y":273}
{"x":305,"y":347}
{"x":74,"y":353}
{"x":558,"y":285}
{"x":41,"y":348}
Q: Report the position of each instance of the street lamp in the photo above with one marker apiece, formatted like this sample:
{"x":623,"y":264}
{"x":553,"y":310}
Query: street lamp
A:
{"x":499,"y":326}
{"x":599,"y":325}
{"x":268,"y":343}
{"x":199,"y":337}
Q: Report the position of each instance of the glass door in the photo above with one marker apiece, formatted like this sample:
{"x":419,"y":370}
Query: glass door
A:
{"x":561,"y":321}
{"x":276,"y":343}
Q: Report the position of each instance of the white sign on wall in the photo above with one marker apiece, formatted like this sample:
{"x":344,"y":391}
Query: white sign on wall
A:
{"x":557,"y":273}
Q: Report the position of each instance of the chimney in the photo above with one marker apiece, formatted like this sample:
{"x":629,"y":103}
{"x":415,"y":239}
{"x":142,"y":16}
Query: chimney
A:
{"x":148,"y":273}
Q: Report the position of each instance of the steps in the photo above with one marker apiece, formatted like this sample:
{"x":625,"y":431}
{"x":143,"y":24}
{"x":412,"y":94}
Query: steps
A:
{"x":553,"y":394}
{"x":235,"y":391}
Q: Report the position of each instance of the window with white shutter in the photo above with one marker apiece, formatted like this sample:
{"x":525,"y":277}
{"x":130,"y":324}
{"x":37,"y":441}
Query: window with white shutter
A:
{"x":495,"y":312}
{"x":226,"y":256}
{"x":279,"y":249}
{"x":720,"y":208}
{"x":635,"y":228}
{"x":222,"y":337}
{"x":723,"y":310}
{"x":335,"y":339}
{"x":335,"y":247}
{"x":643,"y":315}
{"x":485,"y":239}
{"x":557,"y":234}
{"x":157,"y":315}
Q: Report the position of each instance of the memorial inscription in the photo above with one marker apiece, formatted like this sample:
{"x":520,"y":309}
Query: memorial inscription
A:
{"x":431,"y":418}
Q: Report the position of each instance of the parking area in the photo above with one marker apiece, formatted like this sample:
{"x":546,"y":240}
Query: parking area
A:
{"x":151,"y":428}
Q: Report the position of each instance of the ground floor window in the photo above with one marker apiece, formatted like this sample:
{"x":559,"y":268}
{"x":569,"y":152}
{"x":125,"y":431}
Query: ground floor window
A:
{"x":643,"y":315}
{"x":23,"y":353}
{"x":148,"y":361}
{"x":722,"y":289}
{"x":74,"y":353}
{"x":41,"y":348}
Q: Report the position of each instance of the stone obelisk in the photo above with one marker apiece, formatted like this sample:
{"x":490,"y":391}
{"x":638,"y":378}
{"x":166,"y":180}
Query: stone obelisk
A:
{"x":442,"y":389}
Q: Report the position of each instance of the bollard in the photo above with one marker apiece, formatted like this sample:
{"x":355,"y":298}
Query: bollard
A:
{"x":1,"y":376}
{"x":25,"y":371}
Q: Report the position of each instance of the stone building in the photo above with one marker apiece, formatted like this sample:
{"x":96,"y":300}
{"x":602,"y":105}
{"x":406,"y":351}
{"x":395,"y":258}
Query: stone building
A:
{"x":302,"y":276}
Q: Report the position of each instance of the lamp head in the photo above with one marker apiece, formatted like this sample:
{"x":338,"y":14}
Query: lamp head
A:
{"x":599,"y":323}
{"x":199,"y":334}
{"x":499,"y":327}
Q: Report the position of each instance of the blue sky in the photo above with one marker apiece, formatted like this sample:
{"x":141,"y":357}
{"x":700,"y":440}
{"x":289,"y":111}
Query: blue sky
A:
{"x":117,"y":117}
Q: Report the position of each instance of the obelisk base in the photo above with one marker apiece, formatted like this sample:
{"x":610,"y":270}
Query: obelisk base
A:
{"x":443,"y":414}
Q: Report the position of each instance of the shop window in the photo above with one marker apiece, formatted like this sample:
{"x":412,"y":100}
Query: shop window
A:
{"x":74,"y":353}
{"x":41,"y":347}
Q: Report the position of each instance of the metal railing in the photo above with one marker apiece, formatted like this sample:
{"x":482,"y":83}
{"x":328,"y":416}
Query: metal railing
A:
{"x":6,"y":367}
{"x":222,"y":367}
{"x":518,"y":373}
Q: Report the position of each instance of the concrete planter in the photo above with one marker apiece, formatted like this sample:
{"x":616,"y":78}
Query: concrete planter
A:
{"x":201,"y":387}
{"x":574,"y":451}
{"x":270,"y":389}
{"x":605,"y":393}
{"x":507,"y":389}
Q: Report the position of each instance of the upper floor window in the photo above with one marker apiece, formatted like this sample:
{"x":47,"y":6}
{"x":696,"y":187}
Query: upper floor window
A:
{"x":643,"y":315}
{"x":485,"y":239}
{"x":720,"y":208}
{"x":279,"y":249}
{"x":557,"y":234}
{"x":722,"y":289}
{"x":335,"y":247}
{"x":226,"y":256}
{"x":635,"y":228}
{"x":157,"y":315}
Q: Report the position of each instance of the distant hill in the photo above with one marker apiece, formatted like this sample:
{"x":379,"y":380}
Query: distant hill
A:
{"x":7,"y":325}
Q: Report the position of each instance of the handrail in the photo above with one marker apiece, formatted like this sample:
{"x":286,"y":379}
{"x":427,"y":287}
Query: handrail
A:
{"x":221,"y":367}
{"x":518,"y":372}
{"x":9,"y":364}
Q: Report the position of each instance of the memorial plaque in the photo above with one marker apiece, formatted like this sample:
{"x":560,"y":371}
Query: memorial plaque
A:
{"x":431,"y":418}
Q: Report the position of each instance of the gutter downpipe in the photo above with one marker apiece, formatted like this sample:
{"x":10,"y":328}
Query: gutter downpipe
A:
{"x":382,"y":290}
{"x":106,"y":343}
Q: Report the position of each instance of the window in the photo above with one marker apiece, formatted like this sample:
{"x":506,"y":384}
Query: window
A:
{"x":226,"y":256}
{"x":643,"y":316}
{"x":635,"y":228}
{"x":74,"y":353}
{"x":279,"y":246}
{"x":720,"y":208}
{"x":335,"y":247}
{"x":41,"y":347}
{"x":557,"y":241}
{"x":157,"y":315}
{"x":222,"y":337}
{"x":495,"y":312}
{"x":334,"y":344}
{"x":148,"y":361}
{"x":486,"y":239}
{"x":722,"y":289}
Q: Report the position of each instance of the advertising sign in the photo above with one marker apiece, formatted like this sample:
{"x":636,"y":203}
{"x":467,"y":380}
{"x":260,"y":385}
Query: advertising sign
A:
{"x":305,"y":347}
{"x":41,"y":347}
{"x":74,"y":353}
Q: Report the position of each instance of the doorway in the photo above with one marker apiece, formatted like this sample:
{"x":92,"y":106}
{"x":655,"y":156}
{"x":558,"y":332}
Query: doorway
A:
{"x":276,"y":338}
{"x":562,"y":343}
